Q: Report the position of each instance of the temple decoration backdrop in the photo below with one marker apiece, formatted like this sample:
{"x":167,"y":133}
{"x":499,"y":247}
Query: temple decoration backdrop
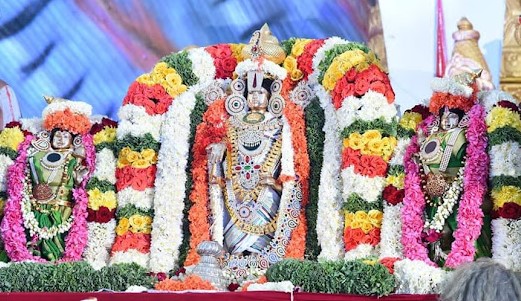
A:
{"x":92,"y":50}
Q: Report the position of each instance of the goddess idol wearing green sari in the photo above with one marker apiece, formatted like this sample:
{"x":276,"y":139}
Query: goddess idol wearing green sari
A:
{"x":55,"y":169}
{"x":46,"y":210}
{"x":442,"y":162}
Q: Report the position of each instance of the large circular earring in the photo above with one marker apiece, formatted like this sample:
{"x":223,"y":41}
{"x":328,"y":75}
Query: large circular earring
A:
{"x":236,"y":103}
{"x":276,"y":102}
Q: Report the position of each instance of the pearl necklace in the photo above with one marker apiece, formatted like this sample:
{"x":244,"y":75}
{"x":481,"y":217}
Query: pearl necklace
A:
{"x":446,"y":207}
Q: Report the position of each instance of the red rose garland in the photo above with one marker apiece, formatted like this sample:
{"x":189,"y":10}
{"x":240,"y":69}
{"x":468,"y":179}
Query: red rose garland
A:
{"x":305,"y":60}
{"x":223,"y":60}
{"x":154,"y":99}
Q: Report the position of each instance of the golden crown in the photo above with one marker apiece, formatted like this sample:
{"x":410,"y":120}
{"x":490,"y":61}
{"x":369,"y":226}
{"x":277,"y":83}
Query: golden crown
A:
{"x":264,"y":44}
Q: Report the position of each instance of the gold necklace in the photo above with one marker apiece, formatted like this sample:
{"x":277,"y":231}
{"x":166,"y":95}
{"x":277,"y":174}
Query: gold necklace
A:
{"x":233,"y":170}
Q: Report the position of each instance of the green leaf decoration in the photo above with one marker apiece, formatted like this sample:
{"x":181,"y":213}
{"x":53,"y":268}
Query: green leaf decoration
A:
{"x":183,"y":66}
{"x":315,"y":139}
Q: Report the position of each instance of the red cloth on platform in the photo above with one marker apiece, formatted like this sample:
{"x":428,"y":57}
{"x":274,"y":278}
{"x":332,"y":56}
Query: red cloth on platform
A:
{"x":243,"y":296}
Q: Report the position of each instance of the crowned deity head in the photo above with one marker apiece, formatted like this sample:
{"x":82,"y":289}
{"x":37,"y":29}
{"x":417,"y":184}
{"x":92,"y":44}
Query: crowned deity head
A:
{"x":450,"y":118}
{"x":256,"y":90}
{"x":456,"y":92}
{"x":66,"y":115}
{"x":61,"y":139}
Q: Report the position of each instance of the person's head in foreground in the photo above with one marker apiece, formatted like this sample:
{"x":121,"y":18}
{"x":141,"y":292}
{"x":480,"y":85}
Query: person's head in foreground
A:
{"x":483,"y":280}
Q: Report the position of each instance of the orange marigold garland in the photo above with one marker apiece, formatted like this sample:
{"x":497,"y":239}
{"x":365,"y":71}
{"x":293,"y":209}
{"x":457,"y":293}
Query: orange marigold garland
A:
{"x":192,"y":282}
{"x":211,"y":130}
{"x":295,"y":117}
{"x":67,"y":119}
{"x":441,"y":99}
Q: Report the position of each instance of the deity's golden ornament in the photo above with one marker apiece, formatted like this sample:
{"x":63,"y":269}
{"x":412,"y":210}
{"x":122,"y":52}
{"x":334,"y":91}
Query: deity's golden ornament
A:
{"x":264,"y":44}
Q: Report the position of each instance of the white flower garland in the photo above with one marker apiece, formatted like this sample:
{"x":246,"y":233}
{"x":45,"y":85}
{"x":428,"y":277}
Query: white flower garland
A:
{"x":167,"y":234}
{"x":448,"y":85}
{"x":135,"y":121}
{"x":33,"y":125}
{"x":202,"y":65}
{"x":283,"y":286}
{"x":329,"y":218}
{"x":287,"y":163}
{"x":77,"y":107}
{"x":399,"y":151}
{"x":391,"y":231}
{"x":268,"y":67}
{"x":31,"y":223}
{"x":320,"y":55}
{"x":506,"y":242}
{"x":130,"y":256}
{"x":105,"y":166}
{"x":371,"y":106}
{"x":361,"y":251}
{"x":101,"y":236}
{"x":140,"y":199}
{"x":367,"y":188}
{"x":5,"y":162}
{"x":505,"y":159}
{"x":417,"y":277}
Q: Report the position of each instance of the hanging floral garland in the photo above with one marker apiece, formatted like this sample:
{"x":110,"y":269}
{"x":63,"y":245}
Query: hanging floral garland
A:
{"x":362,"y":97}
{"x":10,"y":139}
{"x":101,"y":191}
{"x":329,"y":219}
{"x":504,"y":132}
{"x":393,"y":193}
{"x":141,"y":115}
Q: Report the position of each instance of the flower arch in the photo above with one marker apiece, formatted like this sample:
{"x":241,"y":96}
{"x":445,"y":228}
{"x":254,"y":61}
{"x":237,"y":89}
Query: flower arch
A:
{"x":163,"y":110}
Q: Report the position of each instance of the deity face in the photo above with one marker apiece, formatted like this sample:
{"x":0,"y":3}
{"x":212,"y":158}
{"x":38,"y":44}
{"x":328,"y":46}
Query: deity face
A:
{"x":258,"y":100}
{"x":449,"y":120}
{"x":61,"y":140}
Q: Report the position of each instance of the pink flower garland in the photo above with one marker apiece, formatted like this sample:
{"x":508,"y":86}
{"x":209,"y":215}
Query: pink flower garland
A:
{"x":13,"y":231}
{"x":470,"y":216}
{"x":12,"y":228}
{"x":414,"y":204}
{"x":78,"y":234}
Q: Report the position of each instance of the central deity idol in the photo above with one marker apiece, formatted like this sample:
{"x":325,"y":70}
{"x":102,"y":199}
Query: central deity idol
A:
{"x":247,"y":165}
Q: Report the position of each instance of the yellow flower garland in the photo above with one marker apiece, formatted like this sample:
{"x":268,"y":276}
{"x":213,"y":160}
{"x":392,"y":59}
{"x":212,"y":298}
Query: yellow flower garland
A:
{"x":101,"y":199}
{"x":410,"y":120}
{"x":106,"y":135}
{"x":506,"y":194}
{"x":290,"y":63}
{"x":237,"y":51}
{"x":371,"y":143}
{"x":143,"y":159}
{"x":167,"y":77}
{"x":500,"y":117}
{"x":396,"y":180}
{"x":347,"y":60}
{"x":11,"y":138}
{"x":366,"y":221}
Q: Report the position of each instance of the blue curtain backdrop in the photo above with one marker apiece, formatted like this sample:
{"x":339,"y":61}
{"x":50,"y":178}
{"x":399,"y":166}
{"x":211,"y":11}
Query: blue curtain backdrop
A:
{"x":91,"y":50}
